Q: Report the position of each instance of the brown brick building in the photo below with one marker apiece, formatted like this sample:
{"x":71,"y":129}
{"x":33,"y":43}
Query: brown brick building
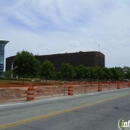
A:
{"x":89,"y":59}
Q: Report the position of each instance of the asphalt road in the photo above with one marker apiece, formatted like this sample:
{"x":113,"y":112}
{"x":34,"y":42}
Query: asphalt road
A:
{"x":95,"y":111}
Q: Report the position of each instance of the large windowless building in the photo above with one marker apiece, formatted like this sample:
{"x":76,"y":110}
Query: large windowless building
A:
{"x":88,"y":59}
{"x":2,"y":48}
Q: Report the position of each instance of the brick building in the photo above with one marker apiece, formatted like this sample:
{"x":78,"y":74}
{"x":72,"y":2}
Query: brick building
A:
{"x":89,"y":59}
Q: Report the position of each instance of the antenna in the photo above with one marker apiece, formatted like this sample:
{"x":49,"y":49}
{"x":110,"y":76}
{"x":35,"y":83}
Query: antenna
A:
{"x":99,"y":48}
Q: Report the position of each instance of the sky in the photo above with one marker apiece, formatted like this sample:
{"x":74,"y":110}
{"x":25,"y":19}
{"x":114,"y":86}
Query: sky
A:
{"x":58,"y":26}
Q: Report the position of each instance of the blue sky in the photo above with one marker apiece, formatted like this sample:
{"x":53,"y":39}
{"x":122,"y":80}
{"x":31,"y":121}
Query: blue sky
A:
{"x":59,"y":26}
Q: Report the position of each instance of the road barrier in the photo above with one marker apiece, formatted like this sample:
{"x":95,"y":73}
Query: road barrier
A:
{"x":62,"y":89}
{"x":99,"y":87}
{"x":70,"y":90}
{"x":30,"y":94}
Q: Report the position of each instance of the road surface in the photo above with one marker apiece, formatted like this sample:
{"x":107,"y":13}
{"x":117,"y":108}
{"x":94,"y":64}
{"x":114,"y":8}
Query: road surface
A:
{"x":94,"y":111}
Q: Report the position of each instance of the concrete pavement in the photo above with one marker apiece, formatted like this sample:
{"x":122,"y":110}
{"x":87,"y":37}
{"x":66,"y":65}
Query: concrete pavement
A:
{"x":96,"y":111}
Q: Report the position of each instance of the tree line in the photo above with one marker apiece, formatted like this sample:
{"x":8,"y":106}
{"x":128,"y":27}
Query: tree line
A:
{"x":26,"y":65}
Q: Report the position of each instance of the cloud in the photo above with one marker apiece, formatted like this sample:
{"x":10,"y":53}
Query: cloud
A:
{"x":59,"y":26}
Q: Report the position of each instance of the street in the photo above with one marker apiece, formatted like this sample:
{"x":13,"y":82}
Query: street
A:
{"x":93,"y":111}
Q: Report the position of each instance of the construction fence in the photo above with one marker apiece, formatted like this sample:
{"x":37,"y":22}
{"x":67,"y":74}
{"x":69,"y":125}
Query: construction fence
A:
{"x":17,"y":90}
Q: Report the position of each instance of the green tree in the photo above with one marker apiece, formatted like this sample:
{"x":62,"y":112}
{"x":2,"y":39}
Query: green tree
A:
{"x":67,"y":71}
{"x":47,"y":70}
{"x":25,"y":64}
{"x":121,"y":72}
{"x":116,"y":74}
{"x":7,"y":74}
{"x":92,"y":73}
{"x":80,"y":72}
{"x":99,"y":73}
{"x":58,"y":75}
{"x":88,"y":73}
{"x":126,"y":72}
{"x":107,"y":73}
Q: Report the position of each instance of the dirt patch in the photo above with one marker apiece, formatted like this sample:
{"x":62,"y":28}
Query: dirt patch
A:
{"x":7,"y":94}
{"x":19,"y":93}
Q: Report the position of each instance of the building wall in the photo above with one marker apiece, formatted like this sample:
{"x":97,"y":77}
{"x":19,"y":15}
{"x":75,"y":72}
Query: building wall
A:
{"x":2,"y":46}
{"x":99,"y":60}
{"x":9,"y":62}
{"x":89,"y":59}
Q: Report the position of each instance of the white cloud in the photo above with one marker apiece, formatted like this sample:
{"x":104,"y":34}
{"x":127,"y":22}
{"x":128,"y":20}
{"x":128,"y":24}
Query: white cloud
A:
{"x":59,"y":26}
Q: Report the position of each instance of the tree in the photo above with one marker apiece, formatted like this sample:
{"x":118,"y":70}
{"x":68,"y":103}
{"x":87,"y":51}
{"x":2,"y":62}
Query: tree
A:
{"x":88,"y":73}
{"x":25,"y":64}
{"x":107,"y":73}
{"x":80,"y":71}
{"x":126,"y":71}
{"x":116,"y":74}
{"x":58,"y":75}
{"x":7,"y":74}
{"x":67,"y":71}
{"x":47,"y":70}
{"x":99,"y":73}
{"x":92,"y":73}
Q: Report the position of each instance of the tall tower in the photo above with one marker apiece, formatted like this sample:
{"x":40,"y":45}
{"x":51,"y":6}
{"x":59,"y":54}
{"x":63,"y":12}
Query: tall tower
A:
{"x":2,"y":50}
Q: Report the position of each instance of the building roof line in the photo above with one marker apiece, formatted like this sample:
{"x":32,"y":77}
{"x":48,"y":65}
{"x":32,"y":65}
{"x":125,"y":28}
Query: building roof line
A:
{"x":71,"y":53}
{"x":3,"y":40}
